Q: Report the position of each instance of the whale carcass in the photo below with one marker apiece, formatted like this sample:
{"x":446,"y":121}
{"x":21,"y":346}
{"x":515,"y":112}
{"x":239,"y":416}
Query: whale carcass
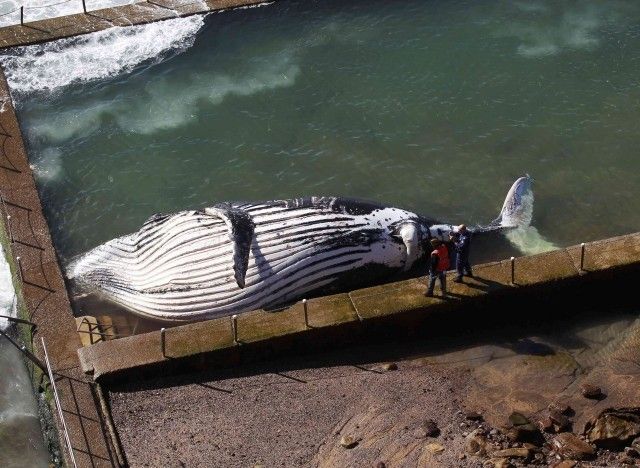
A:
{"x":238,"y":256}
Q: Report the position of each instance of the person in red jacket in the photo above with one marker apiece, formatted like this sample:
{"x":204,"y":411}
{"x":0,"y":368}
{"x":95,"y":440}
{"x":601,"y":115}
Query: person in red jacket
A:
{"x":438,"y":266}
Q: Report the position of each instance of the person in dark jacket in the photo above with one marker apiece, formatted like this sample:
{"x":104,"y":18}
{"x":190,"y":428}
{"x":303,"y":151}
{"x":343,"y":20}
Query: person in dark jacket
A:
{"x":462,"y":243}
{"x":438,"y":266}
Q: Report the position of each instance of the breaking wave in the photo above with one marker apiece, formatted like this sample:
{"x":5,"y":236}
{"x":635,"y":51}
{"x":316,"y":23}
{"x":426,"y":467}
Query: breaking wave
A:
{"x":104,"y":54}
{"x":164,"y":104}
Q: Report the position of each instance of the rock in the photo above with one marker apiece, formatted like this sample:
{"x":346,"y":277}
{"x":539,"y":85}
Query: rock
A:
{"x":498,"y":463}
{"x":427,"y":429}
{"x":546,"y":425}
{"x":565,"y":464}
{"x":473,"y":416}
{"x":636,"y":444}
{"x":562,"y":408}
{"x":476,"y":444}
{"x":430,"y":428}
{"x":389,"y":366}
{"x":381,"y":465}
{"x":348,"y":442}
{"x":591,"y":391}
{"x":570,"y":446}
{"x":420,"y":433}
{"x":518,"y":419}
{"x":614,"y":429}
{"x":526,"y":433}
{"x":632,"y":452}
{"x":516,"y":452}
{"x":435,"y":447}
{"x":561,"y":422}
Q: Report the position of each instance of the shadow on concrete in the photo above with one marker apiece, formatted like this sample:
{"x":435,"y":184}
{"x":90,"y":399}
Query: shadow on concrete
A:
{"x":555,"y":317}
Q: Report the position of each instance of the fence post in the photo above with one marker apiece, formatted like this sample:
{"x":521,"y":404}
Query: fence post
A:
{"x":22,"y":16}
{"x":582,"y":257}
{"x":57,"y":400}
{"x":513,"y":270}
{"x":84,"y":7}
{"x":19,"y":262}
{"x":162,"y":343}
{"x":234,"y":328}
{"x":306,"y":314}
{"x":9,"y":228}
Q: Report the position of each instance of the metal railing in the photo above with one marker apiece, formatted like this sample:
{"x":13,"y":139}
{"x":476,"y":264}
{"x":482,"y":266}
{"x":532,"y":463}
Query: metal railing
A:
{"x":24,"y":8}
{"x":58,"y":406}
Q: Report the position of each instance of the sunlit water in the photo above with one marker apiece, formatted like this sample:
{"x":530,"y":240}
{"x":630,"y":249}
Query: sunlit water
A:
{"x":432,"y":106}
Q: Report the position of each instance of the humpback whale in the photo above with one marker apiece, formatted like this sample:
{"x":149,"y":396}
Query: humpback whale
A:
{"x":239,"y":256}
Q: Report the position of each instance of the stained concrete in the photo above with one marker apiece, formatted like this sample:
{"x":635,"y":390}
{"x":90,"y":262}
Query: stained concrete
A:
{"x":128,"y":15}
{"x":45,"y":296}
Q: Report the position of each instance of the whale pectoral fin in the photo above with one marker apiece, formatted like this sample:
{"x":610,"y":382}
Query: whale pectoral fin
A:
{"x":241,"y":232}
{"x":410,"y":235}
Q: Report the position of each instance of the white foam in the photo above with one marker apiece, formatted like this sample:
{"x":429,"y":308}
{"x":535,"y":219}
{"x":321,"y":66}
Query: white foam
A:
{"x":7,"y":293}
{"x":529,"y":241}
{"x":48,"y":165}
{"x":54,"y":65}
{"x":168,"y":105}
{"x":551,"y":28}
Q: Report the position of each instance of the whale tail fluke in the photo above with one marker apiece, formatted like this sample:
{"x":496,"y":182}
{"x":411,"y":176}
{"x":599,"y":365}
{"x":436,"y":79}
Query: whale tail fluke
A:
{"x":515,"y":219}
{"x":517,"y":209}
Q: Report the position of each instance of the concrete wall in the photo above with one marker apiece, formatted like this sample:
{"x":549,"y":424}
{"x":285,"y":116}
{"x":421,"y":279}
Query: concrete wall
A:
{"x":44,"y":296}
{"x":83,"y":23}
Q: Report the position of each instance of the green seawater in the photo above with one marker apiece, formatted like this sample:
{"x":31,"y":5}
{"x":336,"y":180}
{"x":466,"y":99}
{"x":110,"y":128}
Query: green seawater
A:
{"x":432,"y":106}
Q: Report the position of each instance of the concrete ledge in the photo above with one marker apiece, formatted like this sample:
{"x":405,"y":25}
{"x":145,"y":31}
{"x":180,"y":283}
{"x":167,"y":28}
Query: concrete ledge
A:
{"x":128,"y":15}
{"x":341,"y":317}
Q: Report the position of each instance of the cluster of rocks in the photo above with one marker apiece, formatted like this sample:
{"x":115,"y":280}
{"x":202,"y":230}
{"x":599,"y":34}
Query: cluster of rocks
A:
{"x":548,"y":439}
{"x":613,"y":438}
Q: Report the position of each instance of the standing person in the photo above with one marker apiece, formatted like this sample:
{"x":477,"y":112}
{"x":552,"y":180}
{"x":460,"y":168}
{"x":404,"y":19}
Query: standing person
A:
{"x":462,"y":243}
{"x":438,"y":266}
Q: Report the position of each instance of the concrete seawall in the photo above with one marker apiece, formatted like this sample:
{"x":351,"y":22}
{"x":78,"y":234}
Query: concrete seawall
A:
{"x":372,"y":313}
{"x":37,"y":32}
{"x":46,"y":304}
